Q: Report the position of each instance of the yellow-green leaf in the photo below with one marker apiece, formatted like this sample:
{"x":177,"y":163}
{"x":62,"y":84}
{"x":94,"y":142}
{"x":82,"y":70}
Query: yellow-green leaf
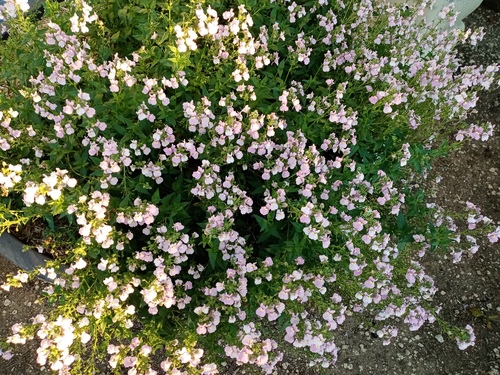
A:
{"x":476,"y":311}
{"x":495,"y":318}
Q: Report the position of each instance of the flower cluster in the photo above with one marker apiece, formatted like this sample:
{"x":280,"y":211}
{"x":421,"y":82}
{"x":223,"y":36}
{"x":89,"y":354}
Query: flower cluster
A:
{"x":225,"y":169}
{"x":52,"y":186}
{"x":254,"y":350}
{"x":10,"y":176}
{"x":9,"y":8}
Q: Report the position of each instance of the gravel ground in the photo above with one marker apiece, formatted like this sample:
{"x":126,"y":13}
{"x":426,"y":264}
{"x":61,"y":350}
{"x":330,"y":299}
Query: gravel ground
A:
{"x":19,"y":307}
{"x":467,"y":289}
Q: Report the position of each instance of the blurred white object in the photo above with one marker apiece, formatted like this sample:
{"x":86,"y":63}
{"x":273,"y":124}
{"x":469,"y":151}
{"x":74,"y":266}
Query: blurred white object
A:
{"x":466,"y":7}
{"x":462,"y":7}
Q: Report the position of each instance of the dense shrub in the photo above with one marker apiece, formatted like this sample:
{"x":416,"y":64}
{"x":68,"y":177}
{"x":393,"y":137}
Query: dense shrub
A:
{"x":220,"y":165}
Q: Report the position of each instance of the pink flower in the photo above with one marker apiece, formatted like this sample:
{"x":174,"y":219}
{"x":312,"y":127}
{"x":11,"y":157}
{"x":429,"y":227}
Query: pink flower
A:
{"x":129,"y":361}
{"x":410,"y":276}
{"x":366,"y":239}
{"x":268,"y":262}
{"x":370,"y":283}
{"x":261,"y":311}
{"x":6,"y":355}
{"x":462,"y":344}
{"x":493,"y":236}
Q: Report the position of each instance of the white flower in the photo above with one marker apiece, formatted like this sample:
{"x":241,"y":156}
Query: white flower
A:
{"x":85,"y":337}
{"x":23,"y":5}
{"x":80,"y":264}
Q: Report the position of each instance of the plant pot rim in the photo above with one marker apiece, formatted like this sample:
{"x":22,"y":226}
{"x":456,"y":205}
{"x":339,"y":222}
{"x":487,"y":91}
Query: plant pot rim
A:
{"x":28,"y":260}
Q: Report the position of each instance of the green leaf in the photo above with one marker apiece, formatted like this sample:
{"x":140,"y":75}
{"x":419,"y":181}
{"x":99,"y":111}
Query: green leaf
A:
{"x":97,"y":173}
{"x":284,"y":321}
{"x":212,"y":257}
{"x":122,"y":14}
{"x":274,"y":14}
{"x":273,"y":230}
{"x":263,"y":224}
{"x":50,"y":221}
{"x":417,"y":165}
{"x":120,"y":129}
{"x":125,"y":202}
{"x":95,"y":160}
{"x":93,"y":253}
{"x":402,"y":224}
{"x":155,"y":199}
{"x":476,"y":312}
{"x":177,"y":185}
{"x":141,"y":189}
{"x":264,"y":237}
{"x":299,"y":228}
{"x":402,"y":245}
{"x":495,"y":318}
{"x":115,"y":36}
{"x":167,"y":199}
{"x":432,"y":228}
{"x":434,"y":245}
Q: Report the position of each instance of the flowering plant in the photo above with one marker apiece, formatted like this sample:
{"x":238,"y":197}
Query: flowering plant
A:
{"x":226,"y":164}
